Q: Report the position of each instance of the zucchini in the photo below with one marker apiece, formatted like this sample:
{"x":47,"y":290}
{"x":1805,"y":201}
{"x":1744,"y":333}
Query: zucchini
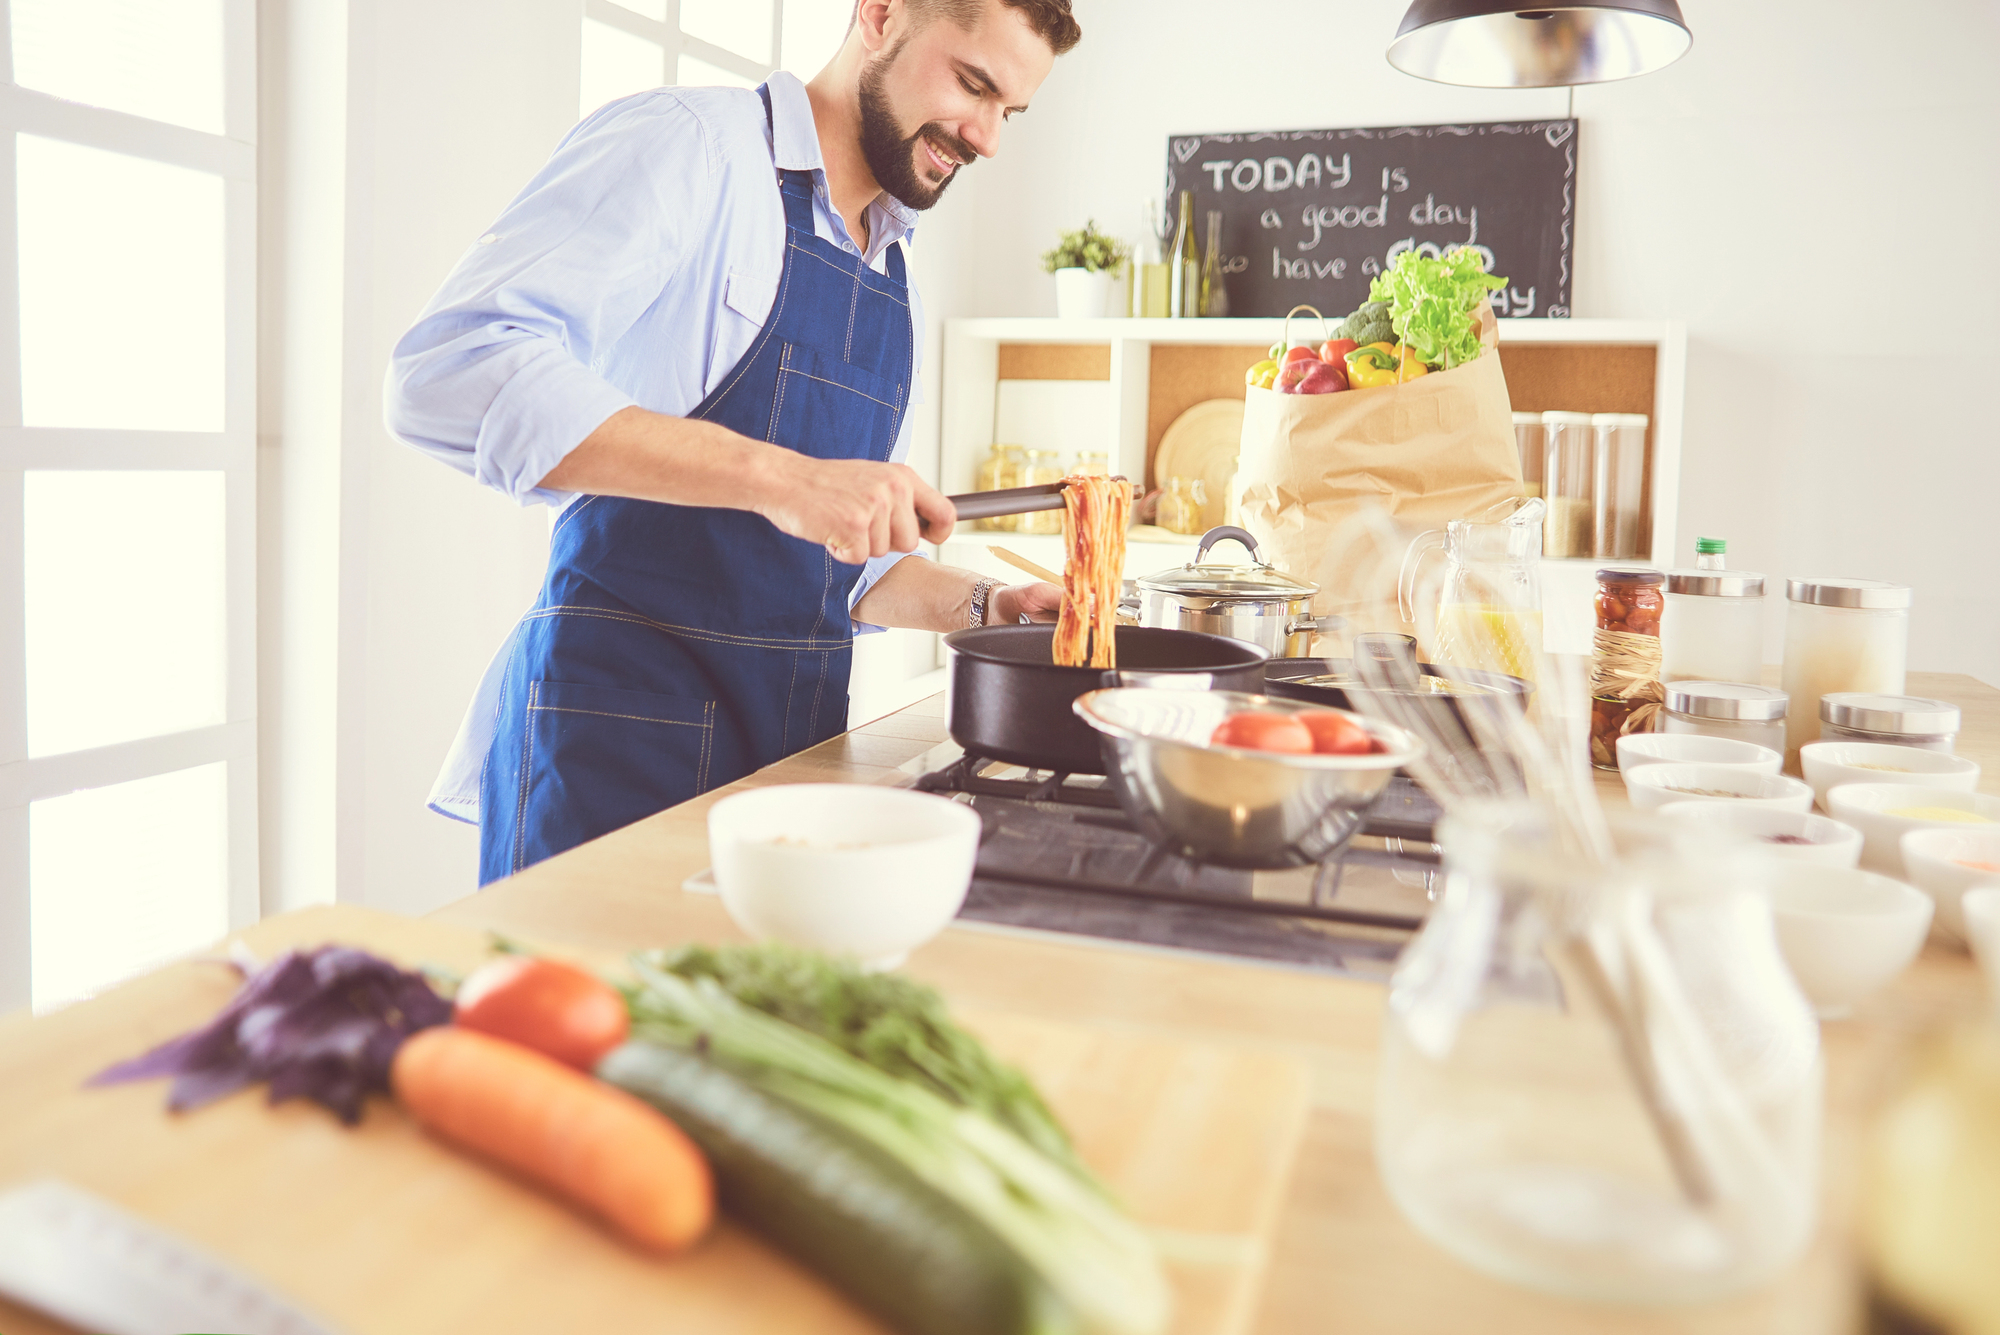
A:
{"x":842,"y":1206}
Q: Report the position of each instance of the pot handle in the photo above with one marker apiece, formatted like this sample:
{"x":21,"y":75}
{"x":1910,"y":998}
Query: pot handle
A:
{"x":1169,"y":681}
{"x":1221,"y":531}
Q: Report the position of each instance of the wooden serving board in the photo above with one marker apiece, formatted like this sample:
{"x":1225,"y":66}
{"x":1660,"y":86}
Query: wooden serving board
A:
{"x":384,"y":1231}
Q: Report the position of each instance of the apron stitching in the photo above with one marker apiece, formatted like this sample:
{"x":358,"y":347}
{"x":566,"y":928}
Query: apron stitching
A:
{"x":600,"y":713}
{"x":707,"y":741}
{"x":847,"y":273}
{"x":853,"y":304}
{"x":789,"y":370}
{"x":689,"y":632}
{"x":764,"y":336}
{"x":563,"y":523}
{"x":819,"y":691}
{"x":527,"y":768}
{"x":778,"y":399}
{"x":791,"y":692}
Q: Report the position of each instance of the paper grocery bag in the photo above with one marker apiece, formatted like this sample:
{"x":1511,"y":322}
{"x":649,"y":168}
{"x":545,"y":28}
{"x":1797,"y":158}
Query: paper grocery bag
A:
{"x":1318,"y":473}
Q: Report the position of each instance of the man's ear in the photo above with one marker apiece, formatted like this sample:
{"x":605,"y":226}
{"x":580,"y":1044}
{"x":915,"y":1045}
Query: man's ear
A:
{"x":881,"y":23}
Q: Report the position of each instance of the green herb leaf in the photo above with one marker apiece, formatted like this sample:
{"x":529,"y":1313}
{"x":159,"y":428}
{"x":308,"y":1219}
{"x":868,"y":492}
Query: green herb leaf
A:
{"x":1433,"y":303}
{"x":1086,"y":249}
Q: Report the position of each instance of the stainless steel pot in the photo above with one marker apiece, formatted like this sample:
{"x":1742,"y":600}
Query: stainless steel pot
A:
{"x":1257,"y":604}
{"x":1223,"y":804}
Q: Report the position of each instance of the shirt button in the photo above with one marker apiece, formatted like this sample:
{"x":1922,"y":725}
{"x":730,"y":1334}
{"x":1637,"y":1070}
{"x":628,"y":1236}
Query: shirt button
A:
{"x":489,"y":238}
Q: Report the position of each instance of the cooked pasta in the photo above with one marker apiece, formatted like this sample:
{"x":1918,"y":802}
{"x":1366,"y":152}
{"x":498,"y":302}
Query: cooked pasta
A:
{"x":1095,"y":510}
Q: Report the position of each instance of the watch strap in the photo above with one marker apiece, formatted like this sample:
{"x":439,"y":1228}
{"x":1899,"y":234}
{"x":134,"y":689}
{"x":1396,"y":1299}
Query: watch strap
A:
{"x":979,"y":595}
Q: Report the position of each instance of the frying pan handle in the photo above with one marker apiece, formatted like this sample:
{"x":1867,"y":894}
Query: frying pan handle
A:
{"x":1218,"y":533}
{"x":1169,"y":681}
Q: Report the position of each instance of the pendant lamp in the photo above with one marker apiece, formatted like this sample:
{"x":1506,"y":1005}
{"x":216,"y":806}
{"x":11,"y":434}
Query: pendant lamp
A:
{"x":1484,"y":44}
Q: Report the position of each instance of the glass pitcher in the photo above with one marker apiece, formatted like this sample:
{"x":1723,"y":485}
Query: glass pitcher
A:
{"x":1598,"y":1077}
{"x":1487,"y":612}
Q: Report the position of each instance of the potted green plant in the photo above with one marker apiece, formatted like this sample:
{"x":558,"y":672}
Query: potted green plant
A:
{"x":1084,"y":263}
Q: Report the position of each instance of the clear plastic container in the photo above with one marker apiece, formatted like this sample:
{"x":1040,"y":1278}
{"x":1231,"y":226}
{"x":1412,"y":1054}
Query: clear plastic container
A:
{"x":1568,"y":451}
{"x":1841,"y":635}
{"x":1529,"y":441}
{"x":1713,"y":626}
{"x":1735,"y":711}
{"x":1895,"y":720}
{"x":1618,"y":484}
{"x":1600,"y":1080}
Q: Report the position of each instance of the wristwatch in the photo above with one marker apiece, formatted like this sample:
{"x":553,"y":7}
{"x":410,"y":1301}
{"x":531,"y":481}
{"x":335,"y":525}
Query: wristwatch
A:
{"x":979,"y":592}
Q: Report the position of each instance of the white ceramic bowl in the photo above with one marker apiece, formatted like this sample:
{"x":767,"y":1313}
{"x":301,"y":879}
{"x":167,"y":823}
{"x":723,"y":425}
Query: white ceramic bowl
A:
{"x":1936,"y":858}
{"x":1827,"y":842}
{"x":1689,"y":748}
{"x":850,"y":869}
{"x":1866,"y":806}
{"x":1828,"y":765}
{"x":1845,"y":931}
{"x":1653,"y":786}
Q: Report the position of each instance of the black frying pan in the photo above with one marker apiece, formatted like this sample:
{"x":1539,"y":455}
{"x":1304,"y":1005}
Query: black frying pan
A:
{"x":1011,"y":702}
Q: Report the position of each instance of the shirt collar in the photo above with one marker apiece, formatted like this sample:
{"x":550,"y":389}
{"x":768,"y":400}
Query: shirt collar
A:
{"x":795,"y":147}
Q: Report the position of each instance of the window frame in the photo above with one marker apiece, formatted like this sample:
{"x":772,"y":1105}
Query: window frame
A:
{"x":674,"y":43}
{"x":232,"y":156}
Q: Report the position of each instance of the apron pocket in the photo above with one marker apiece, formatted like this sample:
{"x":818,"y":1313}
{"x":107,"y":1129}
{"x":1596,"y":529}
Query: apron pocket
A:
{"x":595,"y":759}
{"x":841,"y":410}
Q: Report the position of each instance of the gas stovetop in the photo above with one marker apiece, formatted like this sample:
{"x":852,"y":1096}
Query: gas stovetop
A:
{"x":1057,"y":854}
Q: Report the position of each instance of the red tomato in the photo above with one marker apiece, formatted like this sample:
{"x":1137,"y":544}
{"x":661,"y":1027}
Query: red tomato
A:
{"x":557,"y":1009}
{"x":1336,"y":734}
{"x":1299,"y":351}
{"x":1263,"y":732}
{"x":1334,"y":352}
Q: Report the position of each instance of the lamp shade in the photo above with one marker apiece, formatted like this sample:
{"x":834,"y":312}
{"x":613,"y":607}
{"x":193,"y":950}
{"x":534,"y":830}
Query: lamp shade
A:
{"x":1483,"y":44}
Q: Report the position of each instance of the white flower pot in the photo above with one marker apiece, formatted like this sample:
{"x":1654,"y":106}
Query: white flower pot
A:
{"x":1082,"y":294}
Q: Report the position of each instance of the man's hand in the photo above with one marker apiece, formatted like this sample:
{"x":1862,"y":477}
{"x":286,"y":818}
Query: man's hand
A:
{"x":1038,"y":602}
{"x":856,"y":508}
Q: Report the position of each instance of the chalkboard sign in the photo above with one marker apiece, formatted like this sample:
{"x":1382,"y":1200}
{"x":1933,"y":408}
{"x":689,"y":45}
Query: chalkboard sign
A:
{"x":1311,"y":215}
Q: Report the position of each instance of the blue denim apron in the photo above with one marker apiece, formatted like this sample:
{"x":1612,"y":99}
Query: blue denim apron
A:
{"x":674,"y":649}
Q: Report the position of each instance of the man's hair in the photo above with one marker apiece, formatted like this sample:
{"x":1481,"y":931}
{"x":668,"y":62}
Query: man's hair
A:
{"x":1050,"y":19}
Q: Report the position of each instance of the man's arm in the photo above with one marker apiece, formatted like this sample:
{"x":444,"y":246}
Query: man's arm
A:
{"x":857,"y":508}
{"x":923,"y":595}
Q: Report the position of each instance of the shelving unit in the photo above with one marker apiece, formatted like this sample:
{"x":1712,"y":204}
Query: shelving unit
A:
{"x":1153,"y":370}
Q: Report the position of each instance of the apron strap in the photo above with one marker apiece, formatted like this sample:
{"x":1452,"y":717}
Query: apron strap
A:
{"x":895,"y":265}
{"x":797,"y":189}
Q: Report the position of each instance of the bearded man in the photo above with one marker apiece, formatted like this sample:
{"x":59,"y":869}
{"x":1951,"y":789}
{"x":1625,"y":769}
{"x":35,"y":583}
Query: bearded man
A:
{"x":695,"y":332}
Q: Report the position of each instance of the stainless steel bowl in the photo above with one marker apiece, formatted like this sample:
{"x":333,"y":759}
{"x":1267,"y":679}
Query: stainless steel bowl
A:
{"x":1224,"y":804}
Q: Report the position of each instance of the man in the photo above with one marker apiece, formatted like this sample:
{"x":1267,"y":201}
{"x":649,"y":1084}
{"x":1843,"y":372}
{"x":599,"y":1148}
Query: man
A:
{"x":694,"y":330}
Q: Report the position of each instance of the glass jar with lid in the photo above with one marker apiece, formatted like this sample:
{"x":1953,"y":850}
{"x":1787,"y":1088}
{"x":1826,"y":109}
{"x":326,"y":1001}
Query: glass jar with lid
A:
{"x":1712,"y":628}
{"x":1841,"y":636}
{"x":1898,"y":720}
{"x":1528,"y":441}
{"x":1618,"y":484}
{"x":1039,"y":467}
{"x":1624,"y":660}
{"x":1001,"y":468}
{"x":1568,"y":449}
{"x":1092,"y":463}
{"x":1736,"y":711}
{"x":1184,"y":506}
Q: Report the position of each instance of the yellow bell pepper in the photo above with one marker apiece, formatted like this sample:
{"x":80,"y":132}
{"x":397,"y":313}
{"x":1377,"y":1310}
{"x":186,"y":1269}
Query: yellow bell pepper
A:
{"x":1263,"y":375}
{"x":1379,"y":364}
{"x":1410,"y":366}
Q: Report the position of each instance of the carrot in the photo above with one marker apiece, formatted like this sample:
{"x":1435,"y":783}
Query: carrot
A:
{"x":557,"y":1009}
{"x":597,"y":1146}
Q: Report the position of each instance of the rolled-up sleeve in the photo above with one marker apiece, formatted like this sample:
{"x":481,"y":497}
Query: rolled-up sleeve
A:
{"x":497,"y":376}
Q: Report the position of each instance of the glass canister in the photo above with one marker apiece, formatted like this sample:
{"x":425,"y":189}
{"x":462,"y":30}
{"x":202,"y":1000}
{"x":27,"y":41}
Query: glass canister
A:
{"x":1569,"y":457}
{"x":1528,"y":440}
{"x":1184,"y":505}
{"x":1625,"y":689}
{"x":1897,"y":720}
{"x":1841,"y":635}
{"x":1618,"y":484}
{"x":1039,"y":467}
{"x":998,"y":470}
{"x":1738,"y":711}
{"x":1092,"y":463}
{"x":1712,"y":628}
{"x":1600,"y":1079}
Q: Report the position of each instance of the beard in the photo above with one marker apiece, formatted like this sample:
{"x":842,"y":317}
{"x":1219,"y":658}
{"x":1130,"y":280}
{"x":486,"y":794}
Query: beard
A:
{"x":894,"y":157}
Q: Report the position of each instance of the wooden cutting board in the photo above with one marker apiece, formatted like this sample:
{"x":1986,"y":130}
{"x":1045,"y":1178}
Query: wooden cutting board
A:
{"x":383,"y":1231}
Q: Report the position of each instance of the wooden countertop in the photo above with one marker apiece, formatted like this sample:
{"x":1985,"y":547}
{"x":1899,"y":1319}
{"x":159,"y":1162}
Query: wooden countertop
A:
{"x":1344,"y":1258}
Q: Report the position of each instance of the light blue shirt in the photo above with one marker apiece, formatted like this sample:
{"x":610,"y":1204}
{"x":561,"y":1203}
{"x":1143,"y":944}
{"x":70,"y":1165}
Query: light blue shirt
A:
{"x":636,"y":268}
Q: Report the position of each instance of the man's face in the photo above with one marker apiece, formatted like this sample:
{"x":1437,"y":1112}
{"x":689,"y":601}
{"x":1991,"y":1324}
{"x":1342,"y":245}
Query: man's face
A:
{"x":936,"y":96}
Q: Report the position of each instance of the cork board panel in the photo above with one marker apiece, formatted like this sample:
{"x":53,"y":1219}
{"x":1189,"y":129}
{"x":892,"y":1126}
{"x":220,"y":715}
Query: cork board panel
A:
{"x":1184,"y":374}
{"x":1055,"y":361}
{"x":1587,"y":378}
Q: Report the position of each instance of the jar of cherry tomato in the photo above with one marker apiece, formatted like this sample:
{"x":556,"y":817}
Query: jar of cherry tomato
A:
{"x":1625,"y":691}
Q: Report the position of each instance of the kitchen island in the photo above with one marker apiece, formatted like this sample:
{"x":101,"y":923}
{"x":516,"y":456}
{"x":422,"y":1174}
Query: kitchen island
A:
{"x":1339,"y":1257}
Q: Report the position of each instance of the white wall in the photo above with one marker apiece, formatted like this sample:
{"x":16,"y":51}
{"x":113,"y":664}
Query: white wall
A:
{"x":412,"y":574}
{"x":1811,"y":181}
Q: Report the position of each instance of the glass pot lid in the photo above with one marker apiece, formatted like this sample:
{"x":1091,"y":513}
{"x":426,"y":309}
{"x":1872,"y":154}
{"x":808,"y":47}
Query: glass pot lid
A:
{"x":1215,"y":580}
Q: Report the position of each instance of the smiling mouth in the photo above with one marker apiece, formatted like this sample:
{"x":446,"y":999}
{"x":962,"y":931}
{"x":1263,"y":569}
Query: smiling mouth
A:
{"x":942,"y":163}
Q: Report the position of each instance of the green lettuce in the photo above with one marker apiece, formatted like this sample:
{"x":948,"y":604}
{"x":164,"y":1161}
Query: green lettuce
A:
{"x":1433,"y":303}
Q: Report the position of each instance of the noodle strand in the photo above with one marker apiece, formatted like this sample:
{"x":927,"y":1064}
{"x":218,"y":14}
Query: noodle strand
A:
{"x":1095,"y":511}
